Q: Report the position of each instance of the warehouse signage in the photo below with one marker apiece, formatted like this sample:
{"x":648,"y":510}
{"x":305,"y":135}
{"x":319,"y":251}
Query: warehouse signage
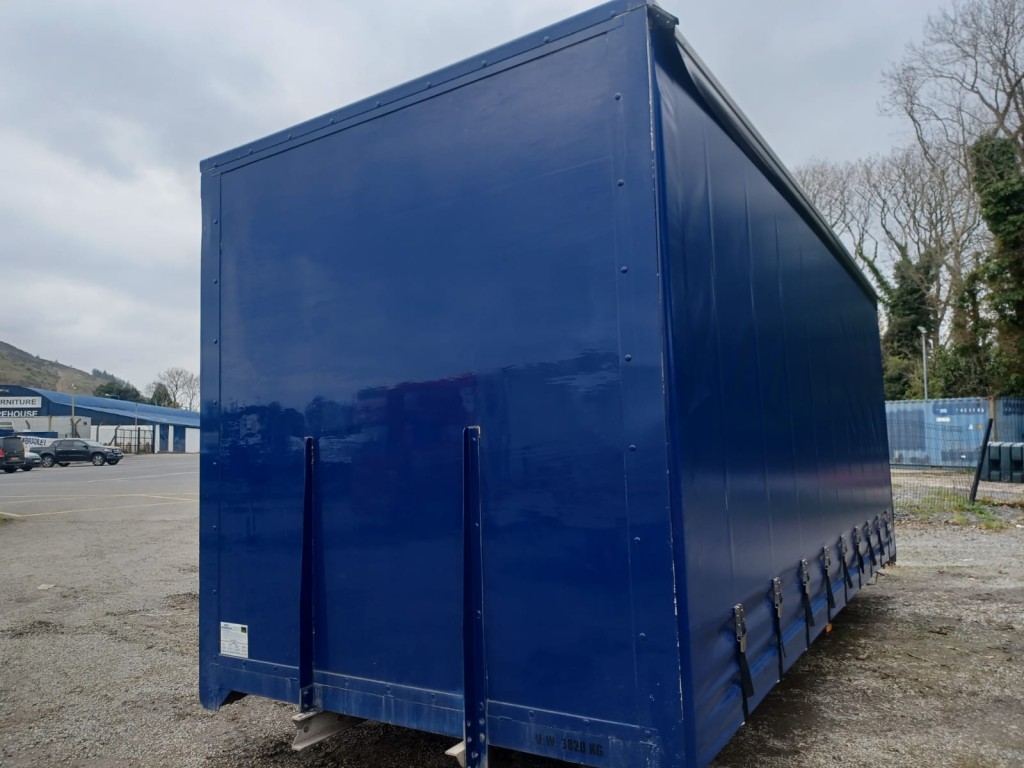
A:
{"x":20,"y":407}
{"x":21,"y":402}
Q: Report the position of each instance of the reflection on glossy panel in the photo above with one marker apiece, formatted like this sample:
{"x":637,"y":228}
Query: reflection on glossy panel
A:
{"x":517,"y":381}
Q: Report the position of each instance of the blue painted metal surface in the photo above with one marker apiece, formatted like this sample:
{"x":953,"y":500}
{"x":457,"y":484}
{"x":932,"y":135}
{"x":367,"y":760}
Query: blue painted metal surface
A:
{"x":578,"y":256}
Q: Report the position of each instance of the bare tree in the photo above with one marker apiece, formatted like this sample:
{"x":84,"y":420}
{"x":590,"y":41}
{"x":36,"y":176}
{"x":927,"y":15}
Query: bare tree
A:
{"x":182,"y":386}
{"x":912,"y":218}
{"x":905,"y":206}
{"x":928,"y":214}
{"x":965,"y":79}
{"x":838,"y":191}
{"x":190,"y":393}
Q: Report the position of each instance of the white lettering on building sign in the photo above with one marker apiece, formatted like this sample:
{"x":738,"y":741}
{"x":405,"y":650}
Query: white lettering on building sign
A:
{"x":18,"y":414}
{"x":21,"y":402}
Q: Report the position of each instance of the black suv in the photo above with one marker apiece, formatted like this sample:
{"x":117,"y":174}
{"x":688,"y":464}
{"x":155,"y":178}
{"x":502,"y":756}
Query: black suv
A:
{"x":63,"y":452}
{"x":12,"y":454}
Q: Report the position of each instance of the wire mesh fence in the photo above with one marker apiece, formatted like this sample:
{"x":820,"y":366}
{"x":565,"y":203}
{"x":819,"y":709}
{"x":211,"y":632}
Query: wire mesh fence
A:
{"x":935,"y":447}
{"x":933,"y":467}
{"x":925,"y":490}
{"x":932,"y":464}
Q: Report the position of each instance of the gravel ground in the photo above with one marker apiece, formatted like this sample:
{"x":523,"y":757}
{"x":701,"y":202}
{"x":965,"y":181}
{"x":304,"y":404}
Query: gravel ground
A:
{"x":98,"y":648}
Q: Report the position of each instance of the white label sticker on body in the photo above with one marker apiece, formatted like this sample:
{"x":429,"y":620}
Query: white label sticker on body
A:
{"x":234,"y":640}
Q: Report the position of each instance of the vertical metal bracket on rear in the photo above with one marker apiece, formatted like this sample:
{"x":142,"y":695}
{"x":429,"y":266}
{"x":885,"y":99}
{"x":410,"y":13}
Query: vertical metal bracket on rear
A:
{"x":474,"y":667}
{"x":308,"y":695}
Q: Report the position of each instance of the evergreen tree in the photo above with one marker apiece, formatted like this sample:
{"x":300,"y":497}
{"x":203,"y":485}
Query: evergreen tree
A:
{"x":901,"y":378}
{"x":162,"y":397}
{"x":120,"y":390}
{"x":910,"y":307}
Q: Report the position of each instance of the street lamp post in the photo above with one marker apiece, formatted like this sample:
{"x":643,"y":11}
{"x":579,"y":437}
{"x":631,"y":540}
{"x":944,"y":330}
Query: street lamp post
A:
{"x":924,"y":358}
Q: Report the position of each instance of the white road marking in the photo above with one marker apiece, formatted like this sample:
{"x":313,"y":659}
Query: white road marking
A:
{"x":30,"y":499}
{"x":140,"y":477}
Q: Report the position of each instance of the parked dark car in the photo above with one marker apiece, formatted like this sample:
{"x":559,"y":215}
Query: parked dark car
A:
{"x":63,"y":452}
{"x":12,"y":454}
{"x":32,"y":460}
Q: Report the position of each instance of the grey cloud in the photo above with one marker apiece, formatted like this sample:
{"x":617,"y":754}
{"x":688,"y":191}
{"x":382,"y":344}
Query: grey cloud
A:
{"x":42,"y":254}
{"x":107,"y":107}
{"x":72,"y":73}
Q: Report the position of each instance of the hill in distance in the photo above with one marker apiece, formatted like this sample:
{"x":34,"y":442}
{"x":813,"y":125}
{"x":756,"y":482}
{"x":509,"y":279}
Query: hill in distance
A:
{"x":20,"y":368}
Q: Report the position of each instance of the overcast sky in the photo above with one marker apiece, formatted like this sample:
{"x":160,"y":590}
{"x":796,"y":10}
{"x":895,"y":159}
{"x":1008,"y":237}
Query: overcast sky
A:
{"x":107,"y":107}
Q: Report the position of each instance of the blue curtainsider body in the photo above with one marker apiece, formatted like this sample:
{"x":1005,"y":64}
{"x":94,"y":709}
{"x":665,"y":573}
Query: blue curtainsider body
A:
{"x":540,"y":408}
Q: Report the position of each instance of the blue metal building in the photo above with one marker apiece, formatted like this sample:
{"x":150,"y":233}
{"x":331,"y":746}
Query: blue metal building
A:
{"x":28,"y":409}
{"x":575,"y":436}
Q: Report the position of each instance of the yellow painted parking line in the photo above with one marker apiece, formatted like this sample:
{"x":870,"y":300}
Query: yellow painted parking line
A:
{"x":96,"y":509}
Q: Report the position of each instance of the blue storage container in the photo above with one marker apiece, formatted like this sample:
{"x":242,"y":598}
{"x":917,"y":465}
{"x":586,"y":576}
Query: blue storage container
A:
{"x":948,"y":432}
{"x":945,"y":432}
{"x":540,"y":408}
{"x":1009,"y":419}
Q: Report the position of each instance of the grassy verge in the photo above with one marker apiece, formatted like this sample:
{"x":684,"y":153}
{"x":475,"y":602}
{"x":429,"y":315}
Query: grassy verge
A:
{"x":949,"y":507}
{"x":980,"y":516}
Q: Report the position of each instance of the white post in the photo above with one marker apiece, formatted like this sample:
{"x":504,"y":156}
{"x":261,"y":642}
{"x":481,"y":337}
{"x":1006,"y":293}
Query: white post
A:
{"x":924,"y":358}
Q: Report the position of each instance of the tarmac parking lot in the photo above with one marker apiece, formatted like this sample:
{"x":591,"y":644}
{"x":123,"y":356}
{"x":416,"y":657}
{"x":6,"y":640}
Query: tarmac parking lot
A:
{"x":98,"y":647}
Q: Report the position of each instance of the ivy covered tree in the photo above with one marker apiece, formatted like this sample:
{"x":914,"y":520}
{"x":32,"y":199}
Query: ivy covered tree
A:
{"x":966,"y":365}
{"x":999,"y":184}
{"x":909,"y":309}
